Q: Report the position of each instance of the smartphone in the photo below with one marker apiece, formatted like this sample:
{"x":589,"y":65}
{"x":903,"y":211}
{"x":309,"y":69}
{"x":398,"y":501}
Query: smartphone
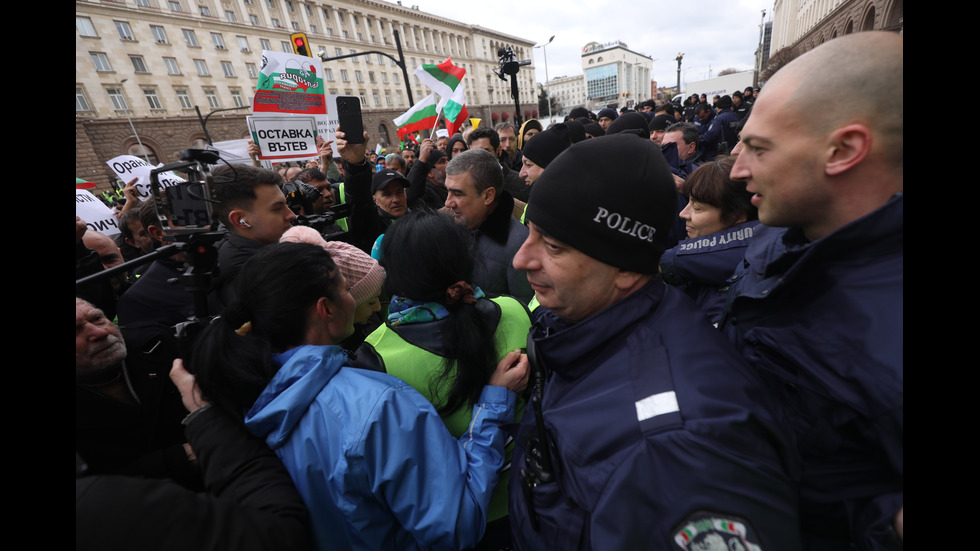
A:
{"x":349,"y":115}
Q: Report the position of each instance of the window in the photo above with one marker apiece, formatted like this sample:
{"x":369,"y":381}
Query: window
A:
{"x":81,"y":104}
{"x":171,"y":64}
{"x":364,"y":100}
{"x":337,"y":52}
{"x":360,"y":37}
{"x":328,"y":74}
{"x":356,"y":59}
{"x":219,"y":42}
{"x":271,"y":4}
{"x":202,"y":67}
{"x":101,"y":62}
{"x":329,"y":31}
{"x":371,"y":77}
{"x":151,"y":98}
{"x":384,"y":78}
{"x":205,"y":11}
{"x":358,"y":77}
{"x":309,"y":11}
{"x":159,"y":34}
{"x":125,"y":33}
{"x":355,"y":20}
{"x":401,"y":101}
{"x":143,"y":3}
{"x":265,"y":44}
{"x":295,"y":26}
{"x":138,"y":65}
{"x":243,"y":43}
{"x":117,"y":99}
{"x":254,"y":19}
{"x":212,"y":99}
{"x":185,"y":99}
{"x":252,"y":71}
{"x":340,"y":16}
{"x":289,"y":6}
{"x":174,"y":6}
{"x":286,"y":47}
{"x":377,"y":99}
{"x":381,"y":59}
{"x":313,"y":29}
{"x":346,"y":34}
{"x":230,"y":16}
{"x":227,"y":68}
{"x":388,"y":98}
{"x":190,"y":38}
{"x":275,"y":22}
{"x":343,"y":75}
{"x":236,"y":97}
{"x":394,"y":78}
{"x":85,"y":27}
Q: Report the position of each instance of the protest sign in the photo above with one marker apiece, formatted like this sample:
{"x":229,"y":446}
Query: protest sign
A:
{"x":290,"y":86}
{"x":96,"y":215}
{"x":128,"y":167}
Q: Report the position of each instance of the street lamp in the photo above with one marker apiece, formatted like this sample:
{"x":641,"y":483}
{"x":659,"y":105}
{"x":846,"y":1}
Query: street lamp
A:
{"x":679,"y":58}
{"x":758,"y":52}
{"x":133,"y":128}
{"x":547,"y":87}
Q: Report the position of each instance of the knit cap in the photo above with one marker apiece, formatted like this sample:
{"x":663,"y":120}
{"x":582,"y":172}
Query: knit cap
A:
{"x":363,"y":274}
{"x":630,"y":121}
{"x":593,"y":129}
{"x":613,"y":199}
{"x":543,"y":147}
{"x":607,"y":112}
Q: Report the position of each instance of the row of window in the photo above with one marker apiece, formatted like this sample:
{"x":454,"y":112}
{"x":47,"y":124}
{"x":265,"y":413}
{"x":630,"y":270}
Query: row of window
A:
{"x":87,"y":29}
{"x":101,"y":62}
{"x":118,"y":99}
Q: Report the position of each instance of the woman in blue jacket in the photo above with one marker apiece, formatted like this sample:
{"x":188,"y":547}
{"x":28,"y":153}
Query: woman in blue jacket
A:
{"x":370,"y":456}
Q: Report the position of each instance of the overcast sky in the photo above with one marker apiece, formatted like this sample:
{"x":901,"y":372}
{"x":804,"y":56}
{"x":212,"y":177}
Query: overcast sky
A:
{"x":712,"y":34}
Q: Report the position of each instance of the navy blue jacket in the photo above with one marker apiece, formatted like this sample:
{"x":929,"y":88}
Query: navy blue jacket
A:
{"x":662,"y":436}
{"x":702,"y":266}
{"x":723,"y":128}
{"x":823,"y":322}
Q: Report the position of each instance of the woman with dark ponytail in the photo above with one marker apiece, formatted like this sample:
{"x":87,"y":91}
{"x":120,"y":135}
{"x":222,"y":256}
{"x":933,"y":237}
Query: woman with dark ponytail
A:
{"x":442,"y":335}
{"x":371,"y":458}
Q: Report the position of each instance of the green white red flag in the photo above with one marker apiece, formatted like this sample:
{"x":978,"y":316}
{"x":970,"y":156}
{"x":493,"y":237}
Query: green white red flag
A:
{"x":420,"y":116}
{"x":454,"y":110}
{"x":443,"y":78}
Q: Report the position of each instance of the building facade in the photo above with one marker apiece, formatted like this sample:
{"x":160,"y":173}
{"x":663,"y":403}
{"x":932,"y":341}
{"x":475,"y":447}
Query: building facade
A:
{"x":147,"y":72}
{"x":569,"y":91}
{"x":805,"y":24}
{"x":615,"y":76}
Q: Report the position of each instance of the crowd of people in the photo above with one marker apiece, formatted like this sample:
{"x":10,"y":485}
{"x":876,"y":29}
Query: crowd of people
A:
{"x":676,"y":327}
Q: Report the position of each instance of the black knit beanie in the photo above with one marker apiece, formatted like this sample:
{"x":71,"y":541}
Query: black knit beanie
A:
{"x":543,"y":147}
{"x":576,"y":131}
{"x":593,"y":129}
{"x":630,"y":121}
{"x":613,"y":199}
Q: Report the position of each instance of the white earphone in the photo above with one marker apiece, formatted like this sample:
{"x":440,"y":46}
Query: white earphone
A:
{"x":245,"y":223}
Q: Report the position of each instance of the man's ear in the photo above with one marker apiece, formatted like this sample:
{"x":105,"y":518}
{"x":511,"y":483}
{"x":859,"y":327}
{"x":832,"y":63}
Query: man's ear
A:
{"x":156,"y":232}
{"x":849,"y":145}
{"x":236,"y":218}
{"x":491,"y":195}
{"x":627,"y":280}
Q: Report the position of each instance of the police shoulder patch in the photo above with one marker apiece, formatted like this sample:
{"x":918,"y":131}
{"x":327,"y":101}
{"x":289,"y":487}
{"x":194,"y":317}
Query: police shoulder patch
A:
{"x":711,"y":531}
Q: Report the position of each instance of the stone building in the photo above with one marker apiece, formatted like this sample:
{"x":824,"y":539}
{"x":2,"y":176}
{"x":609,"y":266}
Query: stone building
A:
{"x":802,"y":25}
{"x":151,"y":71}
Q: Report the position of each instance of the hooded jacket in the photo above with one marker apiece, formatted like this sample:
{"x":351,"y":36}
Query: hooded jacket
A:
{"x":373,"y":460}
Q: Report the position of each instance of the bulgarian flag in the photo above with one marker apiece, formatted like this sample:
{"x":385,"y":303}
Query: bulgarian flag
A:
{"x":423,"y":115}
{"x":454,"y":109}
{"x":444,"y":78}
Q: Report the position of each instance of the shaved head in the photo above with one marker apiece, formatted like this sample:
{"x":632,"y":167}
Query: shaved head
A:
{"x":854,"y":78}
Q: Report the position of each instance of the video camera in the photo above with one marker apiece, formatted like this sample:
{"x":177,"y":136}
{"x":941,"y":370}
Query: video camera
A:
{"x":508,"y":63}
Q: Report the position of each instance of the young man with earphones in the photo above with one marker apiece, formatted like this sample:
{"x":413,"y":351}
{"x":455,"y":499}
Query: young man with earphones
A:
{"x":253,"y":209}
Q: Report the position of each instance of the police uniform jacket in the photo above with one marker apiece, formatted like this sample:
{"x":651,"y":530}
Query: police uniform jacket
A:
{"x":661,"y":436}
{"x":822,"y":321}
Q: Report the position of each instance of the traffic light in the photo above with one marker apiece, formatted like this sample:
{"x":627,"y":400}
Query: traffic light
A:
{"x":301,"y":46}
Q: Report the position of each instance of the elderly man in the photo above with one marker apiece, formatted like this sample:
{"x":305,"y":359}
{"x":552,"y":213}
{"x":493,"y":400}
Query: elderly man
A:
{"x":648,"y":430}
{"x":479,"y":203}
{"x":818,"y":301}
{"x":127,"y":413}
